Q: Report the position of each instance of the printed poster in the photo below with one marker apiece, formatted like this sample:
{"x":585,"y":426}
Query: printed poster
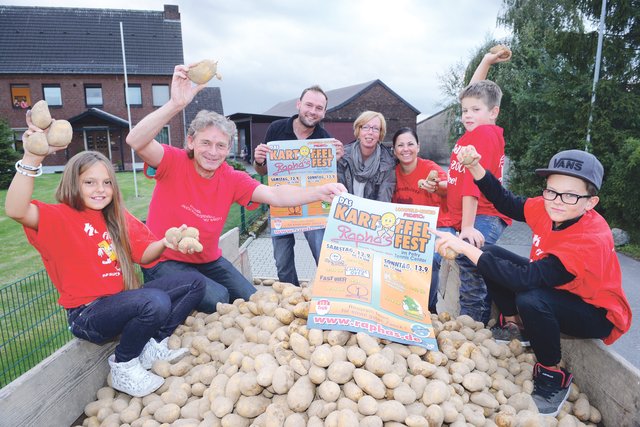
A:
{"x":374,"y":272}
{"x":302,"y":163}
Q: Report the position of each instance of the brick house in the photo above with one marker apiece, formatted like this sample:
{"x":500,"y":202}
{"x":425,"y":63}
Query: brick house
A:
{"x":344,"y":106}
{"x":72,"y":58}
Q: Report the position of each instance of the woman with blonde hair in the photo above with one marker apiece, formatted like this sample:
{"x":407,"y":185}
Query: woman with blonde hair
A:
{"x":367,"y":168}
{"x":89,"y":243}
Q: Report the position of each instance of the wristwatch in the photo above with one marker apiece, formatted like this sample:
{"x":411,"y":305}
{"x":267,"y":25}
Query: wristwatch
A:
{"x":260,"y":164}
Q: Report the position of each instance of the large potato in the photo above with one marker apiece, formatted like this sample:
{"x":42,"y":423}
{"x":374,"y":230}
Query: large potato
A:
{"x":187,"y":243}
{"x":505,"y":52}
{"x":448,"y":253}
{"x":36,"y":144}
{"x":40,"y":115}
{"x":433,"y":176}
{"x":204,"y":71}
{"x":60,"y":133}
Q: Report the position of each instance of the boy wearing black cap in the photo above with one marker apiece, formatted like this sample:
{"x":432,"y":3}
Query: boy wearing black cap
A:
{"x":572,"y":282}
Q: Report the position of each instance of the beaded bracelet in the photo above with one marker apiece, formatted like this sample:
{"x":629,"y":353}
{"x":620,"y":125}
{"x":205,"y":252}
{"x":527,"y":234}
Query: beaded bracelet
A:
{"x":28,"y":167}
{"x":21,"y":172}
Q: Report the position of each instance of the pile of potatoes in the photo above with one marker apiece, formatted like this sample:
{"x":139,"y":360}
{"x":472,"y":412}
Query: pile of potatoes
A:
{"x":255,"y":363}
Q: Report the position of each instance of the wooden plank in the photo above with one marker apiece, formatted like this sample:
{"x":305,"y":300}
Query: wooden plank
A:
{"x":611,"y":383}
{"x":55,"y":392}
{"x":236,"y":255}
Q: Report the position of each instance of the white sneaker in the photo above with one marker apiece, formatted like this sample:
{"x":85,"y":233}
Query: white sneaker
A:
{"x":130,"y":377}
{"x":154,"y":350}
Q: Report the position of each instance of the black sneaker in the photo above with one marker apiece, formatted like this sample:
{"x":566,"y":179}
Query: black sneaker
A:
{"x":550,"y":388}
{"x":504,"y":332}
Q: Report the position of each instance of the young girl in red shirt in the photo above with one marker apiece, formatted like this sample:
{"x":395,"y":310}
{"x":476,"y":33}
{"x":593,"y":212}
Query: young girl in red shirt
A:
{"x":89,"y":243}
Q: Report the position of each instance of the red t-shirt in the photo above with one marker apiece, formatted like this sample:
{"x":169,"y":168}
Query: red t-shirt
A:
{"x":181,"y":196}
{"x":489,"y":143}
{"x":407,"y":190}
{"x":587,"y":251}
{"x":77,"y":253}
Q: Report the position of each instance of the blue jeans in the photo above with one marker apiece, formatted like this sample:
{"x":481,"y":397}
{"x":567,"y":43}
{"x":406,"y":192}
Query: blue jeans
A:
{"x":224,"y":283}
{"x":284,"y":254}
{"x":546,"y":312}
{"x":153,"y":311}
{"x":435,"y":273}
{"x":474,"y":298}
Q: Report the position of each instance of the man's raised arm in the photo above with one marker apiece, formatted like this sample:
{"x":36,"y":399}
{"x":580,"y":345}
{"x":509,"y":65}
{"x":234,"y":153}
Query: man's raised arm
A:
{"x":141,"y":137}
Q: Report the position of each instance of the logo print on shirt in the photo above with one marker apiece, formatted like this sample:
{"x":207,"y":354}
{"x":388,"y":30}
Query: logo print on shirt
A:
{"x":105,"y":249}
{"x":88,"y":228}
{"x":536,"y":240}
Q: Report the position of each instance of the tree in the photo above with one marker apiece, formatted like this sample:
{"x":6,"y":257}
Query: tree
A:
{"x":8,"y":155}
{"x":547,"y":92}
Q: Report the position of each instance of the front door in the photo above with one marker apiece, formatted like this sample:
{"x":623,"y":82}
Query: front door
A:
{"x":98,"y":140}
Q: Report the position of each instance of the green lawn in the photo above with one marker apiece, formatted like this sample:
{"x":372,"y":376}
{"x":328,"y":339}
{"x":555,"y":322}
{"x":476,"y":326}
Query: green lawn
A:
{"x":630,"y":250}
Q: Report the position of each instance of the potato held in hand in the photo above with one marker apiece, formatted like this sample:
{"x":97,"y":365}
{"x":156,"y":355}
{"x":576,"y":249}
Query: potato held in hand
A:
{"x":173,"y":235}
{"x":189,"y":243}
{"x":204,"y":71}
{"x":505,"y":52}
{"x":191,"y":232}
{"x":467,"y":155}
{"x":186,"y":239}
{"x":432,"y":179}
{"x":36,"y":144}
{"x":60,"y":133}
{"x":40,"y":115}
{"x":448,"y":253}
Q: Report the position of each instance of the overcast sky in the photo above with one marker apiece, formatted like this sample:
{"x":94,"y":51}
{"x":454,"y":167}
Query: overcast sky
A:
{"x":269,"y":50}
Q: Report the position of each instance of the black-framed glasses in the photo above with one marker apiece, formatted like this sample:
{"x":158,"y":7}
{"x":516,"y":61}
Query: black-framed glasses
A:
{"x":568,"y":198}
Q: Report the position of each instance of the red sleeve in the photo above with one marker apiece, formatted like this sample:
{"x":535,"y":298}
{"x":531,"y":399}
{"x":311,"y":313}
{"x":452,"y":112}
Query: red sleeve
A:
{"x":487,"y":144}
{"x":140,"y":237}
{"x":168,"y":159}
{"x":245,"y":185}
{"x":49,"y":219}
{"x":468,"y":187}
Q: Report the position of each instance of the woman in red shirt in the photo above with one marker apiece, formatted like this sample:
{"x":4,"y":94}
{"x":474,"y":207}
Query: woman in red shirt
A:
{"x":413,"y":188}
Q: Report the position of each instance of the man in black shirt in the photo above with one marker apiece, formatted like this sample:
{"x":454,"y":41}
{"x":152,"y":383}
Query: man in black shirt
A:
{"x":311,"y":106}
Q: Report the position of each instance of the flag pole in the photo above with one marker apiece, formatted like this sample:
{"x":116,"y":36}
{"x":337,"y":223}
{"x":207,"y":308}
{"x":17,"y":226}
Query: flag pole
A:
{"x":596,"y":73}
{"x":126,"y":96}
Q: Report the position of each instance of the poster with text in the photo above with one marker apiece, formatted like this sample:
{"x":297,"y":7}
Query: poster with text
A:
{"x":374,"y":272}
{"x":302,"y":163}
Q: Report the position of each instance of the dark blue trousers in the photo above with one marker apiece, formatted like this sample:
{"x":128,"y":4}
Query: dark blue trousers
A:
{"x":153,"y":311}
{"x":547,"y":312}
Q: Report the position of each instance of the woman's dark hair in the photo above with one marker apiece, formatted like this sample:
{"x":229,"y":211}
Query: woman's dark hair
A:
{"x":404,"y":130}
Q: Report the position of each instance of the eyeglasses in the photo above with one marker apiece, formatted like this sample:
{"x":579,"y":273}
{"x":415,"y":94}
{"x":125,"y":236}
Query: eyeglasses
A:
{"x":367,"y":128}
{"x":568,"y":198}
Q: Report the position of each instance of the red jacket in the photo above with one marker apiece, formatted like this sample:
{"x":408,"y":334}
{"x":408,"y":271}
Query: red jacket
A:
{"x":587,"y":251}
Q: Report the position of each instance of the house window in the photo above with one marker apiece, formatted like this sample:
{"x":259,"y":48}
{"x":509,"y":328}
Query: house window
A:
{"x":93,"y":95}
{"x":135,"y":95}
{"x":53,"y":95}
{"x":163,"y":136}
{"x":17,"y":139}
{"x":160,"y":95}
{"x":20,"y":96}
